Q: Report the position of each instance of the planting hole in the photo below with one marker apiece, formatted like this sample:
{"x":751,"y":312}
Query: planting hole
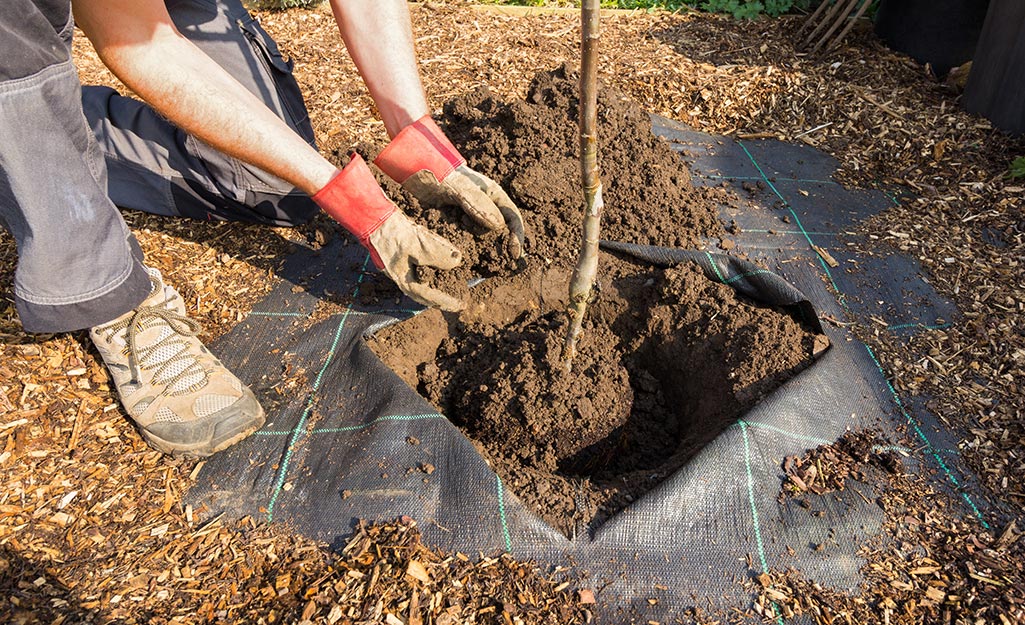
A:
{"x":667,"y":361}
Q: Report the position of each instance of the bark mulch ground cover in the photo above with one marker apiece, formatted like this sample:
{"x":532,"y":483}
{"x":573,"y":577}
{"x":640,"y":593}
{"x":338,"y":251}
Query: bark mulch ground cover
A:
{"x":932,"y":566}
{"x":92,"y":528}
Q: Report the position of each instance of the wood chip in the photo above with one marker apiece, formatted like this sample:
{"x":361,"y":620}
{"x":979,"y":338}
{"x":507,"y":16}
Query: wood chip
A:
{"x":417,"y":571}
{"x":832,"y":262}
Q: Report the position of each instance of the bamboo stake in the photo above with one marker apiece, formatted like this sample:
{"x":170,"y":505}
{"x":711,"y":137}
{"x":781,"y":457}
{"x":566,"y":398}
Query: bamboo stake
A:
{"x":587,"y":262}
{"x":850,"y":24}
{"x":840,"y":19}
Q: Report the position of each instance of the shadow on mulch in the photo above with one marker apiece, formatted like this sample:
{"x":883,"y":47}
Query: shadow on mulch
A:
{"x":35,"y":595}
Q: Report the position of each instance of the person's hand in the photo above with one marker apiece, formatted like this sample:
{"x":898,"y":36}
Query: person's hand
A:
{"x":396,"y":245}
{"x":424,"y":162}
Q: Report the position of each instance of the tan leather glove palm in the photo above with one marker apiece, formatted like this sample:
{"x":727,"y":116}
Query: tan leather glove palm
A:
{"x":426,"y":163}
{"x":396,"y":245}
{"x":480,"y":197}
{"x":403,"y":246}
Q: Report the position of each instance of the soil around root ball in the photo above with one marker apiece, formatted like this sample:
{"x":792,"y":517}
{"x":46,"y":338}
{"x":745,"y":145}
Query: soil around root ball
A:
{"x":531,"y":148}
{"x":667,"y":361}
{"x":668,"y":358}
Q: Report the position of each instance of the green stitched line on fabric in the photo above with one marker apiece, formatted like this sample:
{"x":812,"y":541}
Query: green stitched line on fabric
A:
{"x":778,"y":179}
{"x":802,"y":437}
{"x":760,"y":231}
{"x":715,"y":268}
{"x":903,"y":326}
{"x":754,"y":509}
{"x":918,"y":430}
{"x":772,"y":186}
{"x":408,"y":311}
{"x":842,"y":299}
{"x":747,"y":275}
{"x":501,"y":515}
{"x":878,"y":448}
{"x":820,"y":441}
{"x":283,"y":469}
{"x":797,"y":220}
{"x":350,"y":428}
{"x":751,"y":497}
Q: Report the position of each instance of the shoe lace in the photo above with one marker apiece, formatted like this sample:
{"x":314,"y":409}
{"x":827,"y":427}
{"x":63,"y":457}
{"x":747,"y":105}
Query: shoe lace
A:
{"x":161,"y":355}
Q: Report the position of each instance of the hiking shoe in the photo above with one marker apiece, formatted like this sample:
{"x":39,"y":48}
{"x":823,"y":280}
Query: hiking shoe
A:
{"x":180,"y":396}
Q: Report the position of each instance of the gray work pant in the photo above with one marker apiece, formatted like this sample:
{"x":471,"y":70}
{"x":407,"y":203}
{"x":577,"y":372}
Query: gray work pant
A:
{"x":155,"y":167}
{"x":78,"y":265}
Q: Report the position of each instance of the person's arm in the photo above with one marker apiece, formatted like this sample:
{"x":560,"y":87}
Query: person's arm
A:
{"x":138,"y":41}
{"x":379,"y":38}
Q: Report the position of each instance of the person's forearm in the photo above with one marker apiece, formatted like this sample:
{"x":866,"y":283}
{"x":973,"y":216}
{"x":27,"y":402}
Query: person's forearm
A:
{"x":379,"y":38}
{"x":138,"y":42}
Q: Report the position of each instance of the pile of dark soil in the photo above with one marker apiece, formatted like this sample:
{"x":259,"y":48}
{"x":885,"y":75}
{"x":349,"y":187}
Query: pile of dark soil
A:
{"x":668,"y":358}
{"x":531,"y":147}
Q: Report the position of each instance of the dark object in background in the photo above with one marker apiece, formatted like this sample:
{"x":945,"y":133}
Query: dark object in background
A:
{"x":942,"y":33}
{"x":996,"y":84}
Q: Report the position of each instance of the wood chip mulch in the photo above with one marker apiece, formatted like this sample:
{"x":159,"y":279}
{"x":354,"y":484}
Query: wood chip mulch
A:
{"x":92,"y":525}
{"x":242,"y":572}
{"x":931,"y":565}
{"x":827,"y":468}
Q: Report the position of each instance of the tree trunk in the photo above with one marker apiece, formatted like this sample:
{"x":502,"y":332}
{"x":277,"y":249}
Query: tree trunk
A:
{"x":587,"y":262}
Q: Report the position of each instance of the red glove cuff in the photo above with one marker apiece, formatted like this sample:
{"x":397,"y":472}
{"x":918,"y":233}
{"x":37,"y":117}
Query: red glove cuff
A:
{"x":354,"y":199}
{"x":419,"y":146}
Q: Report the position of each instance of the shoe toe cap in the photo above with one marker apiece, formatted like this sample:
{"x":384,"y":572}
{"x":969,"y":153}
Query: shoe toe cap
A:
{"x":210,"y":433}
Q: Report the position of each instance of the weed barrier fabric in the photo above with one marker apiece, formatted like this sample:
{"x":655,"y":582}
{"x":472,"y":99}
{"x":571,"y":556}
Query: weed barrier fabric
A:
{"x":346,"y":439}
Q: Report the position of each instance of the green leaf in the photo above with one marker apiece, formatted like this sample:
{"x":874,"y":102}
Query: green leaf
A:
{"x":1017,"y":169}
{"x":776,"y":8}
{"x":749,"y":11}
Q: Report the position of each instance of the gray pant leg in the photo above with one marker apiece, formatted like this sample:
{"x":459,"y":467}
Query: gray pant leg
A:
{"x":78,"y":266}
{"x":157,"y":168}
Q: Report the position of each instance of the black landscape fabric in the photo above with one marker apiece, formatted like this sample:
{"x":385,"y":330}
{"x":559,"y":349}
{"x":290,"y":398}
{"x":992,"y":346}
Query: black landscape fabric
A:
{"x":346,"y":439}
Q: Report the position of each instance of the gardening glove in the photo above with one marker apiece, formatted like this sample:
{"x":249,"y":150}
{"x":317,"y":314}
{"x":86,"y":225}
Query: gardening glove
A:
{"x":396,"y":245}
{"x":425,"y":163}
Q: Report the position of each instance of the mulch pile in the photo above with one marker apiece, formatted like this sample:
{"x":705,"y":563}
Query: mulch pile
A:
{"x":92,"y":527}
{"x":826,"y":468}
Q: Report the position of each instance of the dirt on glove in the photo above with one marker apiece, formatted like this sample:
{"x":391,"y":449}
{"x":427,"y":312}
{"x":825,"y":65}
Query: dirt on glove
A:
{"x":668,"y":358}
